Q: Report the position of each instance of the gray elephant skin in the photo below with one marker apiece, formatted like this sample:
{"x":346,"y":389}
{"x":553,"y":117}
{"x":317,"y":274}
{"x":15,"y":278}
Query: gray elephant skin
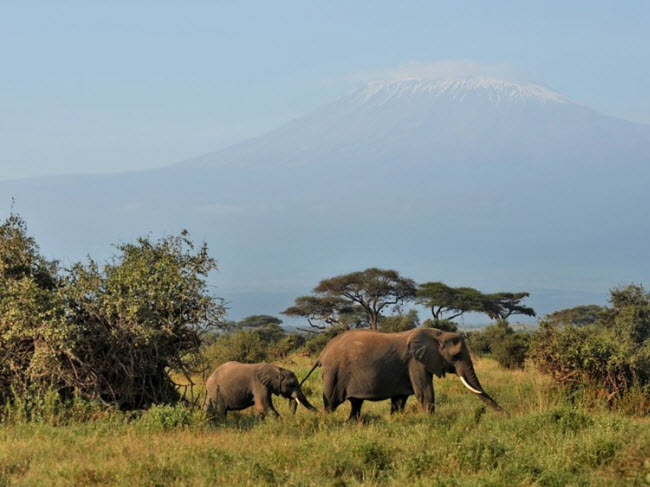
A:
{"x":234,"y":386}
{"x":365,"y":365}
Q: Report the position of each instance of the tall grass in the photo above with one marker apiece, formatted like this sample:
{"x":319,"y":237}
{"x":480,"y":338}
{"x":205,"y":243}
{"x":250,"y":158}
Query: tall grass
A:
{"x":549,"y":439}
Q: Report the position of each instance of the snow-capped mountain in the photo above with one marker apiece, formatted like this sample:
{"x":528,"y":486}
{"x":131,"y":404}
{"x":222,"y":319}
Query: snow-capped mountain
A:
{"x":458,"y":89}
{"x":475,"y":181}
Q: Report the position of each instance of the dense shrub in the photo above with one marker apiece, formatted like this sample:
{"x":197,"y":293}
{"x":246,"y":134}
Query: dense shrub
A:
{"x":242,"y":346}
{"x":511,"y":350}
{"x":251,"y":346}
{"x":286,"y":345}
{"x":399,"y":322}
{"x":107,"y":332}
{"x":612,"y":355}
{"x":168,"y":417}
{"x":500,"y":340}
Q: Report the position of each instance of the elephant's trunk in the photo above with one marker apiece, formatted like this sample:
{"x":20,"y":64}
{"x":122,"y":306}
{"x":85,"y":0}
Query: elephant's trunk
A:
{"x":470,"y":381}
{"x":299,"y":398}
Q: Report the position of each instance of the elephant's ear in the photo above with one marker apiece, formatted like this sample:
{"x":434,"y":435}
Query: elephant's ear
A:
{"x":270,"y":376}
{"x":425,"y":349}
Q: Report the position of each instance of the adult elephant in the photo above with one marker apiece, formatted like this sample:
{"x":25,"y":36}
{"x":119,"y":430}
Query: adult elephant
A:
{"x":364,"y":365}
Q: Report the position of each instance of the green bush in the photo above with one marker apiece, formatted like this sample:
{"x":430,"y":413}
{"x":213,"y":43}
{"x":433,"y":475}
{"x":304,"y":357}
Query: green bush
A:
{"x":107,"y":332}
{"x":286,"y":345}
{"x":242,"y":346}
{"x":500,"y":340}
{"x":167,"y":417}
{"x":612,"y":355}
{"x":399,"y":322}
{"x":49,"y":407}
{"x":511,"y":350}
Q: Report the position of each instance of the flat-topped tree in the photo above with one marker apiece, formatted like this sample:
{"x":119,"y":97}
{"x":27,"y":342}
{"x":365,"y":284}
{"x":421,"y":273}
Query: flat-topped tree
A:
{"x":338,"y":298}
{"x":322,"y":311}
{"x":500,"y":306}
{"x":447,"y":303}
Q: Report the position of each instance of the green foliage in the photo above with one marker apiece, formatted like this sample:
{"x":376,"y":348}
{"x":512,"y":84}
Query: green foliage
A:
{"x":286,"y":345}
{"x":242,"y":346}
{"x":511,"y":350}
{"x":267,"y":327}
{"x":400,"y":322}
{"x":444,"y":325}
{"x":612,"y":355}
{"x":34,"y":336}
{"x":170,"y":417}
{"x":503,"y":305}
{"x":49,"y":407}
{"x":442,"y":299}
{"x":109,"y":333}
{"x":372,"y":291}
{"x":500,"y":340}
{"x":578,"y":316}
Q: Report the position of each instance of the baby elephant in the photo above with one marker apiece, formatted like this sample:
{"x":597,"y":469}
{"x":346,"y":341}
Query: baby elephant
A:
{"x":235,"y":386}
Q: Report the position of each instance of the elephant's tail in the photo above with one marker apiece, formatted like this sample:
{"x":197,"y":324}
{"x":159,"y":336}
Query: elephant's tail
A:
{"x":317,"y":364}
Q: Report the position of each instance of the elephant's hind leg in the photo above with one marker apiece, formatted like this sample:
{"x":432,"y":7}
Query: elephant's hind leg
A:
{"x":397,"y":404}
{"x":355,"y":412}
{"x":330,"y":399}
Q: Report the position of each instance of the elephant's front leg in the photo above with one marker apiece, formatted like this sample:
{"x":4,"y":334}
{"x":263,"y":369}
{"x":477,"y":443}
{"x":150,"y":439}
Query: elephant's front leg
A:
{"x":263,"y":405}
{"x":422,"y":382}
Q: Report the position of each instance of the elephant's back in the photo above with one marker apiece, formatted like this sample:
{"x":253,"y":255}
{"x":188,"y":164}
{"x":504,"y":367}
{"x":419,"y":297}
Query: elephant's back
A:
{"x":227,"y":373}
{"x":355,"y":345}
{"x":232,"y":382}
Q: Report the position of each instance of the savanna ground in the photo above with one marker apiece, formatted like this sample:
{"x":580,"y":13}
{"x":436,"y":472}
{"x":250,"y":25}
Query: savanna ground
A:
{"x":549,"y":439}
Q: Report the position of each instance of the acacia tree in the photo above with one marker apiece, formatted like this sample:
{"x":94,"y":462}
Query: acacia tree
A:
{"x":450,"y":301}
{"x":373,"y":290}
{"x":500,"y":306}
{"x":324,"y":311}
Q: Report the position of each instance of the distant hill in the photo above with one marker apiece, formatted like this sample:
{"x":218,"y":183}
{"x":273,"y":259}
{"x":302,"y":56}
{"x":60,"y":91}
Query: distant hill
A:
{"x":473,"y":181}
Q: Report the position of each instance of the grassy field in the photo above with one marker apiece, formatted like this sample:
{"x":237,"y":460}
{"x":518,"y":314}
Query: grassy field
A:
{"x":546,"y":441}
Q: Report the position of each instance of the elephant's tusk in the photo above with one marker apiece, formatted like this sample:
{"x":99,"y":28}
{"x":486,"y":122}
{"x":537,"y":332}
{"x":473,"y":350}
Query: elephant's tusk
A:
{"x":297,"y":400}
{"x":475,"y":391}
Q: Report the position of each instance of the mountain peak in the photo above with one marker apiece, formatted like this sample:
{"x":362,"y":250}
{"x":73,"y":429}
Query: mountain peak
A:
{"x":459,"y":89}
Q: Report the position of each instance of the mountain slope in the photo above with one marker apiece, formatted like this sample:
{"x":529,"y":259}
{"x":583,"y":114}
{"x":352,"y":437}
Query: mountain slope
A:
{"x":477,"y":181}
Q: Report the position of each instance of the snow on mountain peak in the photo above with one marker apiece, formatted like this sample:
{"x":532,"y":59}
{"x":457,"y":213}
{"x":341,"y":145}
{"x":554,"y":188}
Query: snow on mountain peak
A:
{"x":459,"y":89}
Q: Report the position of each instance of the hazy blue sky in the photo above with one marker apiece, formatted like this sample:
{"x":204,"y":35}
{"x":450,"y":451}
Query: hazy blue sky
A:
{"x":109,"y":86}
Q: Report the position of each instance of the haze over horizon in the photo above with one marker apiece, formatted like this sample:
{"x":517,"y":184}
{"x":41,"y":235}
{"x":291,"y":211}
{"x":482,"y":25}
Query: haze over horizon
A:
{"x":470,"y":144}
